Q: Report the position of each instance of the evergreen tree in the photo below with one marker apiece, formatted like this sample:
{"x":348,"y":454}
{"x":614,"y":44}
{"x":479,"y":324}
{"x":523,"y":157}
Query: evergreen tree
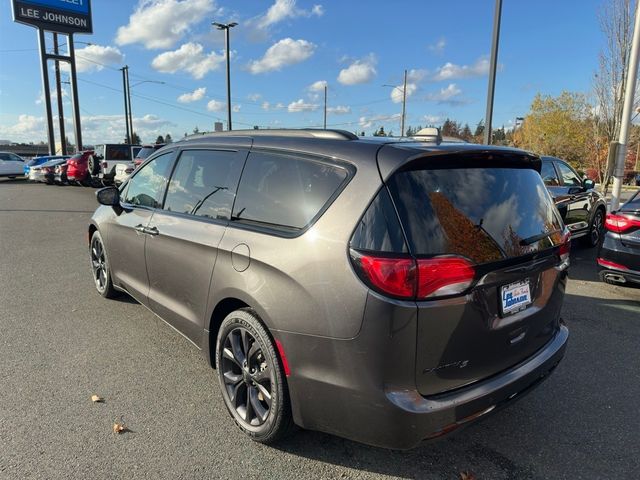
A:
{"x":167,"y":138}
{"x":160,"y":139}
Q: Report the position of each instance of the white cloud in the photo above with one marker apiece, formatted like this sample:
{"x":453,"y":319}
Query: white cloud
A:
{"x":280,"y":11}
{"x":191,"y":58}
{"x":302,"y":106}
{"x":197,"y":94}
{"x":451,"y":71}
{"x":317,"y":86}
{"x":438,"y":47}
{"x":236,"y":108}
{"x":254,"y":97}
{"x":433,"y":119}
{"x":396,"y":93}
{"x":416,"y":75}
{"x":163,"y":23}
{"x":339,"y":110}
{"x":216,"y":106}
{"x":360,"y":71}
{"x":266,"y":106}
{"x":368,"y":122}
{"x":282,"y":53}
{"x":448,"y":95}
{"x":54,"y":96}
{"x":95,"y":128}
{"x":95,"y":58}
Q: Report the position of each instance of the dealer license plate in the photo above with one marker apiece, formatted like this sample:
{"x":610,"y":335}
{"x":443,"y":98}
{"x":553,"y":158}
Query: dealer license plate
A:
{"x":515,"y":297}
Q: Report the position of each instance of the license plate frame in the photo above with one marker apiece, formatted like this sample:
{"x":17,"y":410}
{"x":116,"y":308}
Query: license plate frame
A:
{"x":515,"y":297}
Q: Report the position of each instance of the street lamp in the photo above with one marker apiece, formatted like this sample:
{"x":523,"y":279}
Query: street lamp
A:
{"x":404,"y":101}
{"x":226,"y":27}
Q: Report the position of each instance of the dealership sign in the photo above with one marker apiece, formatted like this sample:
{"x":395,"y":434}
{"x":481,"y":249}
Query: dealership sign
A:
{"x":62,"y":16}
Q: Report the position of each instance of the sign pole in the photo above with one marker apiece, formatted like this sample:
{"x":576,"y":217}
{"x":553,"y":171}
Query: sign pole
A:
{"x":46,"y":92}
{"x":74,"y":95}
{"x":63,"y":140}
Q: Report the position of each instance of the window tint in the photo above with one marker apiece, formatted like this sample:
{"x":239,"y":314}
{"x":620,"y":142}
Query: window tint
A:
{"x":548,"y":174}
{"x":569,"y":177}
{"x":5,"y":156}
{"x":285,"y":191}
{"x":486,"y":214}
{"x":379,"y":230}
{"x":146,"y":187}
{"x":118,"y":152}
{"x":204,"y":183}
{"x":144,"y":152}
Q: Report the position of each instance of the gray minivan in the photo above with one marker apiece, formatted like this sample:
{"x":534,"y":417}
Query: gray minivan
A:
{"x":382,"y":290}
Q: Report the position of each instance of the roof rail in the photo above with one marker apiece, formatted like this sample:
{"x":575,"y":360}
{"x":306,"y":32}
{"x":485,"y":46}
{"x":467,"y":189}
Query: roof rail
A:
{"x":281,"y":132}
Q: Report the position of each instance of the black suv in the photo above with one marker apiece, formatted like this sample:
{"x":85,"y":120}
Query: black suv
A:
{"x":386,"y":291}
{"x":582,"y":208}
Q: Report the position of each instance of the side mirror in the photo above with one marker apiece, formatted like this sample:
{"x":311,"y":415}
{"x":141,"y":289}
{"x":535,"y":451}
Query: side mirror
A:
{"x":588,"y":184}
{"x":109,"y":196}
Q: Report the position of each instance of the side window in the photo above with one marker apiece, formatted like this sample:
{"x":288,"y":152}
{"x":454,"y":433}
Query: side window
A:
{"x":548,"y":174}
{"x":569,"y":177}
{"x":204,"y":183}
{"x":283,"y":191}
{"x":379,"y":230}
{"x":146,"y":187}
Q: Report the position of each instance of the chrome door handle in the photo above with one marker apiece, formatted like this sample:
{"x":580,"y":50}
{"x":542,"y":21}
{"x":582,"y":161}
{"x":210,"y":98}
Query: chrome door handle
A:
{"x":152,"y":231}
{"x":139,"y":228}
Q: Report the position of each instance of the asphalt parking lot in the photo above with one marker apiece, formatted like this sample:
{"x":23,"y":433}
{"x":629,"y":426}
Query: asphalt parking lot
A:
{"x":62,"y":343}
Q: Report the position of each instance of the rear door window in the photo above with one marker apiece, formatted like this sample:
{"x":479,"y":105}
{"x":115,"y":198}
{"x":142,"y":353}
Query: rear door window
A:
{"x":204,"y":183}
{"x":285,"y":192}
{"x":485,"y":214}
{"x":118,"y":152}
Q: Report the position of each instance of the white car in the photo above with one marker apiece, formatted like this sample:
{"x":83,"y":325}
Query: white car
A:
{"x":123,"y":170}
{"x":11,"y":165}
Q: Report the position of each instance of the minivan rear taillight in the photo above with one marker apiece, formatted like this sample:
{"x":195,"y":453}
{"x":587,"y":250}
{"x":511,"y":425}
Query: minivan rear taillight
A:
{"x":620,"y":223}
{"x":407,"y":278}
{"x":440,"y":276}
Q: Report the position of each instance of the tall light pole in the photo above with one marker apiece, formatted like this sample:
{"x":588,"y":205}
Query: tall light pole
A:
{"x":325,"y":107}
{"x":627,"y":109}
{"x":404,"y":104}
{"x":226,"y":27}
{"x":402,"y":89}
{"x":126,"y":102}
{"x":492,"y":72}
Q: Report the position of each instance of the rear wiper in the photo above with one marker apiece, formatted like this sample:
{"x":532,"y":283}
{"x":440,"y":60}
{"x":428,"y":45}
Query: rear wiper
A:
{"x":535,"y":238}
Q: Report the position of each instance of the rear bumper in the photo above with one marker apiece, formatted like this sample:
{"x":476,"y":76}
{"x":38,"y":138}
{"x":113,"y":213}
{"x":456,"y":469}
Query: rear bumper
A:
{"x":339,"y":387}
{"x":613,"y":250}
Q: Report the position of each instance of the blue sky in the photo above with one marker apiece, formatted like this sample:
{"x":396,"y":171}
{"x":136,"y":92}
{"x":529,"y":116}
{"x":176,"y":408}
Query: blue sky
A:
{"x":283,"y":51}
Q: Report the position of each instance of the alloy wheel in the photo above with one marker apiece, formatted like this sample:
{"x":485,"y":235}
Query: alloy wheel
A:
{"x":596,"y":227}
{"x":248,"y":377}
{"x":98,"y":264}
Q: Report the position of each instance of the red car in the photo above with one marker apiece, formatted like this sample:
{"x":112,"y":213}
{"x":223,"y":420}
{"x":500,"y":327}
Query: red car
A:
{"x":78,"y":167}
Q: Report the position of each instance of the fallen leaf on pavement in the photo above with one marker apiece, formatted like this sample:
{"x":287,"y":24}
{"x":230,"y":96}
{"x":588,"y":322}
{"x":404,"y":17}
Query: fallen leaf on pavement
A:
{"x":119,"y":428}
{"x":97,"y":399}
{"x":467,"y":476}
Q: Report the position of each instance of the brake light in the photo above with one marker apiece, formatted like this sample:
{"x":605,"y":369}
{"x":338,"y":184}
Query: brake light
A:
{"x":444,"y":276}
{"x":410,"y":279}
{"x":620,"y":223}
{"x":565,"y":247}
{"x":608,"y":263}
{"x":395,"y":276}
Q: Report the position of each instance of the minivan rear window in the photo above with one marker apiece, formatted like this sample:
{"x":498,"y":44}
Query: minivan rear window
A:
{"x":118,"y":152}
{"x":485,"y":214}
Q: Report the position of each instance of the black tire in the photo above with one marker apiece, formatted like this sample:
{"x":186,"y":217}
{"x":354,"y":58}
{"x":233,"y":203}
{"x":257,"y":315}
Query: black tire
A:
{"x":93,"y":165}
{"x":252,"y":379}
{"x":100,"y":267}
{"x":596,"y":229}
